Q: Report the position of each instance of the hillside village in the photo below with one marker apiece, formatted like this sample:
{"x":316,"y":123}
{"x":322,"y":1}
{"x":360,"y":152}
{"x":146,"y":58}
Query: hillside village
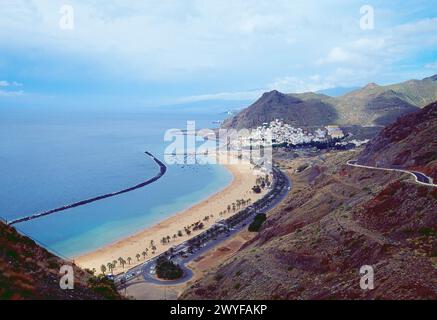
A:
{"x":281,"y":133}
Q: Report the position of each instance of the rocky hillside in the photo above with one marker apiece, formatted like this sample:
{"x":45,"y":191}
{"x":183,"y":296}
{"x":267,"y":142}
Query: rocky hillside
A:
{"x":28,"y":271}
{"x":370,"y":105}
{"x":411,"y":142}
{"x":337,"y":219}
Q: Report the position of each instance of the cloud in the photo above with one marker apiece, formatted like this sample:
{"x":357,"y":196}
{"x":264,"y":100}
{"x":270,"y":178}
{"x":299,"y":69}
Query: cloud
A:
{"x":212,"y":46}
{"x":432,"y":66}
{"x":337,"y":55}
{"x":291,"y":84}
{"x":8,"y":92}
{"x":240,"y":95}
{"x":4,"y":93}
{"x":4,"y":83}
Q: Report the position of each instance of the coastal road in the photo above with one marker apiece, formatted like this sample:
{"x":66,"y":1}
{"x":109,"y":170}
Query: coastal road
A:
{"x":146,"y":269}
{"x":420,"y":178}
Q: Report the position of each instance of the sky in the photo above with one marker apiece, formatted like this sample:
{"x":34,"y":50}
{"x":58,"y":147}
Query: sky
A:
{"x":169,"y":52}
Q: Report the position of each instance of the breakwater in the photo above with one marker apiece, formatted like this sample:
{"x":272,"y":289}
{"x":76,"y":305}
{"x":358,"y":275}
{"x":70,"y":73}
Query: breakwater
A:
{"x":162,"y":171}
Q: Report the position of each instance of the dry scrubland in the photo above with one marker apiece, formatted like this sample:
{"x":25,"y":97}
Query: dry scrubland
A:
{"x":336,"y":219}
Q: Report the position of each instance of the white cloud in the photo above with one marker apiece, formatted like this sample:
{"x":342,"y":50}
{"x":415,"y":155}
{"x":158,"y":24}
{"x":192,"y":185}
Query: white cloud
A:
{"x":432,"y":66}
{"x":4,"y":83}
{"x":4,"y":93}
{"x":290,"y":84}
{"x":337,"y":55}
{"x":9,"y":86}
{"x":301,"y":45}
{"x":241,"y":95}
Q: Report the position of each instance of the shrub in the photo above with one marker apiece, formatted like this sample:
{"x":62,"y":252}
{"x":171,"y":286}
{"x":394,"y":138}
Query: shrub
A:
{"x":426,"y":231}
{"x":258,"y":221}
{"x":256,"y":189}
{"x":167,"y":270}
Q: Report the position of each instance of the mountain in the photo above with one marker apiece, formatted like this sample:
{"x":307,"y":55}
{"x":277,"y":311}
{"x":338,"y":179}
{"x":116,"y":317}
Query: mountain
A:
{"x":370,"y":105}
{"x":28,"y":271}
{"x":339,"y":218}
{"x":411,"y":143}
{"x":299,"y":109}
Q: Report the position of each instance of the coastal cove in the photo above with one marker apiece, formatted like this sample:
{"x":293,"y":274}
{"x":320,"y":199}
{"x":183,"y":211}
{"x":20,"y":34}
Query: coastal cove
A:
{"x":240,"y":188}
{"x":95,"y":154}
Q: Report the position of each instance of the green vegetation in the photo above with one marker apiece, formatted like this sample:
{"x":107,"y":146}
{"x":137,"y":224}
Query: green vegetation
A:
{"x":167,"y":270}
{"x":256,"y":189}
{"x":104,"y":287}
{"x":255,"y":226}
{"x":426,"y":232}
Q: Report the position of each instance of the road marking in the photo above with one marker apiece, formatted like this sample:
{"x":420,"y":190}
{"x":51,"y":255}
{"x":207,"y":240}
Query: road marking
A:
{"x":413,"y":173}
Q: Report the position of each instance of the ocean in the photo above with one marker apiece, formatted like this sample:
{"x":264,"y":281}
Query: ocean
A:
{"x":50,"y":158}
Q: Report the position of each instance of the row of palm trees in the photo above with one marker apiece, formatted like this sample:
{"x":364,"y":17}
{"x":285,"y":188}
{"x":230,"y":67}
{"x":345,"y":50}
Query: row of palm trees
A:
{"x":235,"y":206}
{"x":110,"y":266}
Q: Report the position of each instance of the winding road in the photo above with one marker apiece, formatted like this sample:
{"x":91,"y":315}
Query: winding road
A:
{"x":420,"y":178}
{"x":162,"y":171}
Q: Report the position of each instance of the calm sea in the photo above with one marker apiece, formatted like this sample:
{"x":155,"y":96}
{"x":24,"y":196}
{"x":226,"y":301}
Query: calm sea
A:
{"x":50,"y":158}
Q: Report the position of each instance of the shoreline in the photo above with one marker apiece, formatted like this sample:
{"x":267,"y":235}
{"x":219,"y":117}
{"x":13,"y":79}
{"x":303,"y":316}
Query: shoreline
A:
{"x":243,"y":179}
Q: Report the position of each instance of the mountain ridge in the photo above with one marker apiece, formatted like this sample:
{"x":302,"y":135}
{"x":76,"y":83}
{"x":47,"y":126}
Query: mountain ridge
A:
{"x":370,"y":105}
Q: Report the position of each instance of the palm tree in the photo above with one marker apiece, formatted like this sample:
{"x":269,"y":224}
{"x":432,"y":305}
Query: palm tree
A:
{"x":229,"y":208}
{"x":152,"y":243}
{"x":103,"y":268}
{"x":129,"y":259}
{"x":109,"y":266}
{"x":144,"y":253}
{"x":168,"y":238}
{"x":114,"y":263}
{"x":138,"y":256}
{"x":123,"y":262}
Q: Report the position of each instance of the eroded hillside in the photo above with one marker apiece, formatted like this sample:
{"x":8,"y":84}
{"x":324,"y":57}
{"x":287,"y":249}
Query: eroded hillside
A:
{"x":336,"y":219}
{"x":28,"y":271}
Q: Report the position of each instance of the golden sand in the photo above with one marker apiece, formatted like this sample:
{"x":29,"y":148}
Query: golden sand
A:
{"x":240,"y":188}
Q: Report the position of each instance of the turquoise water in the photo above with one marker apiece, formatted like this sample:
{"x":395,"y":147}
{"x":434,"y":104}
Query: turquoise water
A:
{"x":50,"y":158}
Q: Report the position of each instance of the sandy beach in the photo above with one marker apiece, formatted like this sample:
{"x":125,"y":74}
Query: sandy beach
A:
{"x":244,"y":179}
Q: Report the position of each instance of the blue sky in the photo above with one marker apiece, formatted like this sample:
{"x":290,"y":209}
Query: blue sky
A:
{"x":151,"y":53}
